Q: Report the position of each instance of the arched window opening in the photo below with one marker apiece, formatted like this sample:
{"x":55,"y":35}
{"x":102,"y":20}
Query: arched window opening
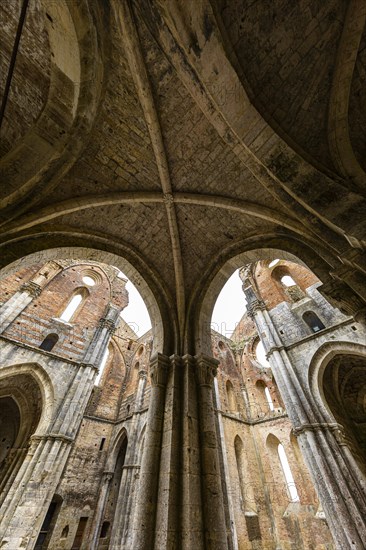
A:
{"x":49,"y":342}
{"x":265,"y":399}
{"x":79,"y":533}
{"x":104,"y":530}
{"x":113,"y":491}
{"x":269,"y":398}
{"x":231,"y":399}
{"x":287,"y":281}
{"x":106,"y":356}
{"x":313,"y":321}
{"x":290,"y":482}
{"x":65,"y":532}
{"x":73,"y":305}
{"x":260,"y":354}
{"x":48,"y":524}
{"x":289,"y":286}
{"x":274,"y":262}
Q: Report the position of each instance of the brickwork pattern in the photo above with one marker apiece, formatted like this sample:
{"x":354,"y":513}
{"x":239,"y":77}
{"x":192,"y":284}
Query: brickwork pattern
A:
{"x":31,"y":73}
{"x":276,"y":62}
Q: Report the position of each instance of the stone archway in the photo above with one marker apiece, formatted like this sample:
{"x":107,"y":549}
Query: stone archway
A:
{"x":344,"y":390}
{"x":9,"y":426}
{"x":269,"y":247}
{"x":21,"y":406}
{"x":163,"y":325}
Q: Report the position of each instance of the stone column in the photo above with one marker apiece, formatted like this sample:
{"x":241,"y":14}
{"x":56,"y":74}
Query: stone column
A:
{"x":191,"y":520}
{"x":99,"y":513}
{"x":168,"y":507}
{"x":145,"y":513}
{"x":121,"y":529}
{"x":212,"y":494}
{"x":226,"y":467}
{"x":105,"y":329}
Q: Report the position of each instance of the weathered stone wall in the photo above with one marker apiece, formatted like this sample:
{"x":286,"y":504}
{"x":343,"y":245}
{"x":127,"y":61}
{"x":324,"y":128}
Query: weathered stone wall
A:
{"x":258,"y":499}
{"x":99,"y":480}
{"x":42,"y":316}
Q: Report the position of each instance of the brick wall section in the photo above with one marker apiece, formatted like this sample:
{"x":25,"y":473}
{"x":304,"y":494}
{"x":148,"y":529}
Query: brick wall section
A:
{"x":268,"y":280}
{"x":40,"y":317}
{"x":32,"y":69}
{"x":10,"y":285}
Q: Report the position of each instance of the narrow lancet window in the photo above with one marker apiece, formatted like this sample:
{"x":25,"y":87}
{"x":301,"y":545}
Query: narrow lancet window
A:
{"x":290,"y":482}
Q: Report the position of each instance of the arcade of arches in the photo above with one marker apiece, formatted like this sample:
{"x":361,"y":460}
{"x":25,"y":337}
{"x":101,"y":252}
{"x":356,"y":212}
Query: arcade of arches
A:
{"x":179,"y":142}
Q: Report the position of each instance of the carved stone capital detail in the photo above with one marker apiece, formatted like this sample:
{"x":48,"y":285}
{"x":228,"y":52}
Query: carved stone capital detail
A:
{"x":159,"y":369}
{"x":107,"y":476}
{"x":108,"y":324}
{"x":257,"y":305}
{"x":33,"y":289}
{"x":206,"y":370}
{"x":142,"y":374}
{"x":336,"y":429}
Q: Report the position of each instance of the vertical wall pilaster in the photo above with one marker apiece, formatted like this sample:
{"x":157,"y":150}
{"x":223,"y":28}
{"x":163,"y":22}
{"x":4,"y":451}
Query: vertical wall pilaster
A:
{"x":212,"y":496}
{"x":145,"y":513}
{"x":98,"y":517}
{"x":191,"y":498}
{"x":167,"y":517}
{"x":122,"y":530}
{"x":105,"y":329}
{"x":17,"y":303}
{"x":226,"y":466}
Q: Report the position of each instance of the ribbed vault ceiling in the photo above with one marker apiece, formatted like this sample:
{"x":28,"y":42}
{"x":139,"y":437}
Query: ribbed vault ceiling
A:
{"x":193,"y":126}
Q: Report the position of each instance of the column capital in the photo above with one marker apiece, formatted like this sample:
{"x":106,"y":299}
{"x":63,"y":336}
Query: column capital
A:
{"x":336,"y":429}
{"x":206,"y":369}
{"x":159,"y":369}
{"x":108,"y":324}
{"x":256,"y":305}
{"x":88,"y":365}
{"x":31,"y":288}
{"x":142,"y":374}
{"x":107,"y":476}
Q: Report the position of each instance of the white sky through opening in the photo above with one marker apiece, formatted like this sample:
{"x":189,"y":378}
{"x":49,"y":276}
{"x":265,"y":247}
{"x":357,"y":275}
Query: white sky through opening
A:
{"x":230,"y":306}
{"x":135,"y":314}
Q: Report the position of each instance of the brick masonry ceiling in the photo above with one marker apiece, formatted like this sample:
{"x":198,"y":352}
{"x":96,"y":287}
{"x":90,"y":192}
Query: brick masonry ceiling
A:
{"x":180,"y":134}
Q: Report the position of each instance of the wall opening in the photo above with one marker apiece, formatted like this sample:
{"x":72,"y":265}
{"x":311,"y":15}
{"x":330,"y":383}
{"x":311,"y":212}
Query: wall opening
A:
{"x":289,"y":478}
{"x":48,"y":524}
{"x":313,"y":321}
{"x":76,"y":545}
{"x":49,"y":342}
{"x":231,"y":398}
